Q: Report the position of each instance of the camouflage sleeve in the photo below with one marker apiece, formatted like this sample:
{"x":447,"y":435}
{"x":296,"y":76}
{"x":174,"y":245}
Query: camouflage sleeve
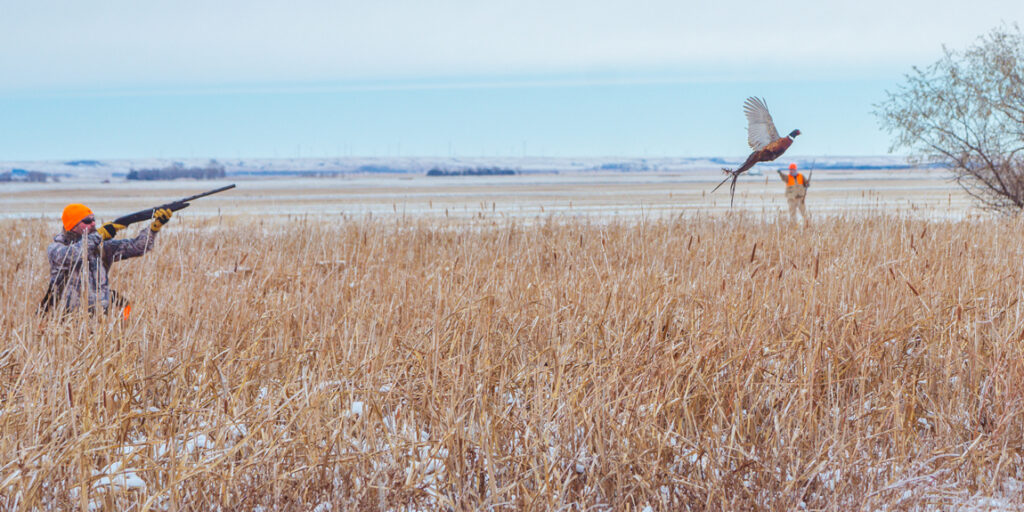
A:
{"x":114,"y":250}
{"x":64,"y":256}
{"x":782,"y":176}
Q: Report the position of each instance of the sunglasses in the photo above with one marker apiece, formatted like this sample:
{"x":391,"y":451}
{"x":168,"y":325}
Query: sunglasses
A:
{"x":89,"y":220}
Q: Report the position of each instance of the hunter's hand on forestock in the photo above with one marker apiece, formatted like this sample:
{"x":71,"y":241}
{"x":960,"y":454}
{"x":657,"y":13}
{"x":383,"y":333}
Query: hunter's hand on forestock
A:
{"x":160,"y":217}
{"x":108,"y":230}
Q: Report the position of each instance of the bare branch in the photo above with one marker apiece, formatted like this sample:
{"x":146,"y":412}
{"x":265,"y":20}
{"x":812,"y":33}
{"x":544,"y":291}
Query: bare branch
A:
{"x":966,"y":111}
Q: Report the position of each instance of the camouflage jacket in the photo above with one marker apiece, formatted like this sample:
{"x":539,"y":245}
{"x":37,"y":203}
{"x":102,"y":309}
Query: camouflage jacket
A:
{"x":66,"y":266}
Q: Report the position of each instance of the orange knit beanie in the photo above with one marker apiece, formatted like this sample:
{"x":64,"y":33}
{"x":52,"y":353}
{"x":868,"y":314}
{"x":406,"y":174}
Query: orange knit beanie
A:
{"x":73,"y":214}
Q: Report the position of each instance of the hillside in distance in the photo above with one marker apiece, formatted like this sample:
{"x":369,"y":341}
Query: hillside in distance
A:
{"x":341,"y":166}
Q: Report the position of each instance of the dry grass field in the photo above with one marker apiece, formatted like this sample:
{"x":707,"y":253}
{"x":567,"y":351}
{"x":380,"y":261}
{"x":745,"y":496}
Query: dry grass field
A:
{"x":685,"y":362}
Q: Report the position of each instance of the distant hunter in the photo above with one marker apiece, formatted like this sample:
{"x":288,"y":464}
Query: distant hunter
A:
{"x":796,"y":192}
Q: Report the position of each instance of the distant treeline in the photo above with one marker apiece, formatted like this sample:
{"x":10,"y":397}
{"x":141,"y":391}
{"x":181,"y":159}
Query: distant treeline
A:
{"x":323,"y":173}
{"x":476,"y":171}
{"x":212,"y":171}
{"x":626,"y":166}
{"x":21,"y":175}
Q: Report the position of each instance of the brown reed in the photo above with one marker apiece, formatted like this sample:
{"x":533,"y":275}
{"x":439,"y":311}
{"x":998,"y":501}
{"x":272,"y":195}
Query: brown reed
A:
{"x":690,"y":363}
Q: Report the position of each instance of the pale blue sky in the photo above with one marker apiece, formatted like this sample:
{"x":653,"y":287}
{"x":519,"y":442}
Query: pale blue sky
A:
{"x":129,"y":79}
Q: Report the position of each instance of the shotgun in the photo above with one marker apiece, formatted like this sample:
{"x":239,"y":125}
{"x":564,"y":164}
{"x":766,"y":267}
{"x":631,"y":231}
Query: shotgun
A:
{"x":147,"y":214}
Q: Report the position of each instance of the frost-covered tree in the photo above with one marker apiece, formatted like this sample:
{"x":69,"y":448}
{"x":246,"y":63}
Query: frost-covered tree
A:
{"x":967,"y":111}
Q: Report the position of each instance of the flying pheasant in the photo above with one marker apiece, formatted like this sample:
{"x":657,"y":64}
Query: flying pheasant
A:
{"x":763,"y":139}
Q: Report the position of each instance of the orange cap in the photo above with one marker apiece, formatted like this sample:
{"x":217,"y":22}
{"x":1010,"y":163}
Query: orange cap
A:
{"x":73,"y":214}
{"x":792,"y":167}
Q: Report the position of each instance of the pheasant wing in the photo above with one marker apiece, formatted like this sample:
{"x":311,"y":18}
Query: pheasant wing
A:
{"x":760,"y":127}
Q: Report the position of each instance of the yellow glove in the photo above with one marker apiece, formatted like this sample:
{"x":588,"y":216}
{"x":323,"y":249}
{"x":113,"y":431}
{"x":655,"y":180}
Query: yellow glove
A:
{"x":108,"y":230}
{"x":160,"y":217}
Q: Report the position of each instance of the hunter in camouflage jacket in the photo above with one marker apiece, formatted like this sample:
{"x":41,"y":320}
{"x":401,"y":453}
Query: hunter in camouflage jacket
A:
{"x":66,"y":274}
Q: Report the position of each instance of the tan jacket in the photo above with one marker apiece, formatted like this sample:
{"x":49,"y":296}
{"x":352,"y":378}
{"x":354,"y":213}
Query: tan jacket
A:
{"x":66,"y":255}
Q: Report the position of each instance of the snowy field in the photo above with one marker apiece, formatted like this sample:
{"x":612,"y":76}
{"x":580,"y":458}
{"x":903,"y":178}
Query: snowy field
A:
{"x":591,"y":194}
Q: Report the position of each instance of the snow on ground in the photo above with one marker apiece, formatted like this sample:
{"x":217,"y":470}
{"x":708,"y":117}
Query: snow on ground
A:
{"x":409,"y":445}
{"x":592,"y":195}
